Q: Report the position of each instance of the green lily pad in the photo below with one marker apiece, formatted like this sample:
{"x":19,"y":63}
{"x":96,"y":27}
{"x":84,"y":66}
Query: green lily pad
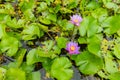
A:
{"x":89,"y":63}
{"x":60,"y":69}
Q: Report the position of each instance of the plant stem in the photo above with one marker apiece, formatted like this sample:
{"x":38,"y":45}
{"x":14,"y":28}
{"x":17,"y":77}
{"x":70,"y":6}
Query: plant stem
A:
{"x":74,"y":33}
{"x":50,"y":36}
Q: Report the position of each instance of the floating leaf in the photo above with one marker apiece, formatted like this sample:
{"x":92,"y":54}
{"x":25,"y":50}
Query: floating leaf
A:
{"x":82,"y":40}
{"x":100,"y":13}
{"x":60,"y":69}
{"x":93,"y":5}
{"x":111,"y":24}
{"x":15,"y":24}
{"x":36,"y":75}
{"x":61,"y":42}
{"x":52,"y":17}
{"x":66,"y":25}
{"x":110,"y":65}
{"x":28,"y":14}
{"x":2,"y":73}
{"x":31,"y":31}
{"x":94,"y":44}
{"x":42,"y":6}
{"x":115,"y":76}
{"x":44,"y":20}
{"x":111,"y":5}
{"x":89,"y":63}
{"x":20,"y":55}
{"x":117,"y":51}
{"x":2,"y":30}
{"x":25,"y":5}
{"x":15,"y":74}
{"x":5,"y":45}
{"x":89,"y":25}
{"x":33,"y":57}
{"x":49,"y":49}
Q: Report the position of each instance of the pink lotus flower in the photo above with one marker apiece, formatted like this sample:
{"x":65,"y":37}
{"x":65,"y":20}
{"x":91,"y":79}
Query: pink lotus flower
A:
{"x":72,"y":48}
{"x":76,"y":19}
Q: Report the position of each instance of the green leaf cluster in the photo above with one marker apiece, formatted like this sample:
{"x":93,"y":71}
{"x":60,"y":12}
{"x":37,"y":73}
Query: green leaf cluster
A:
{"x":34,"y":35}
